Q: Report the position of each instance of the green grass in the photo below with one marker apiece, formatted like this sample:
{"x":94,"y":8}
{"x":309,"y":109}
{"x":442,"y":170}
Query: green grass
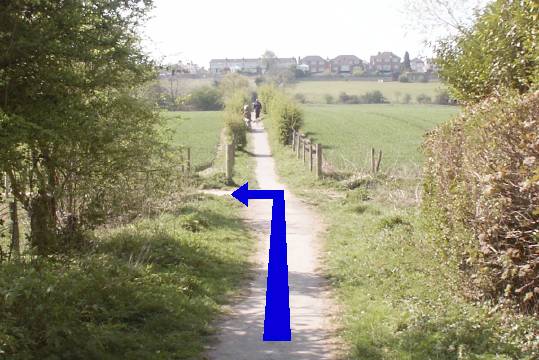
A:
{"x":347,"y":132}
{"x":394,"y":91}
{"x":199,"y":130}
{"x":397,"y":300}
{"x":148,"y":290}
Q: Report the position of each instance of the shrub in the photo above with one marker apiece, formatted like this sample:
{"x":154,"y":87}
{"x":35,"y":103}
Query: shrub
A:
{"x":423,"y":99}
{"x":403,"y":78}
{"x":206,"y":98}
{"x":442,"y":98}
{"x":300,"y":98}
{"x":235,"y":129}
{"x":407,"y":99}
{"x":286,"y":116}
{"x":329,"y":99}
{"x":482,"y":197}
{"x":284,"y":113}
{"x":358,"y":71}
{"x":266,"y":93}
{"x":344,"y":97}
{"x":500,"y":51}
{"x":374,"y":97}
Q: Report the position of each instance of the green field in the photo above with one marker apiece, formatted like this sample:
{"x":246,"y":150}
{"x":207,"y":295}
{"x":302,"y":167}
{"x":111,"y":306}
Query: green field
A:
{"x":394,"y":91}
{"x":347,"y":132}
{"x":200,"y":130}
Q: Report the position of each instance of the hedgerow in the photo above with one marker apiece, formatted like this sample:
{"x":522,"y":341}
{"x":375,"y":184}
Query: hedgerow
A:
{"x":482,"y":197}
{"x":285,"y":114}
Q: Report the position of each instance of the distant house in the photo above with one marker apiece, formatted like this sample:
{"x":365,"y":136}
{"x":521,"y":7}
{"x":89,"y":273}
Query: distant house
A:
{"x":285,"y":63}
{"x":248,"y":66}
{"x":315,"y":63}
{"x":386,"y":62}
{"x":418,"y":65}
{"x":345,"y":63}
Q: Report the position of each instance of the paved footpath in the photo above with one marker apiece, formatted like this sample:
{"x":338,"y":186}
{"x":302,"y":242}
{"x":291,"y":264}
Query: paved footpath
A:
{"x":240,"y":334}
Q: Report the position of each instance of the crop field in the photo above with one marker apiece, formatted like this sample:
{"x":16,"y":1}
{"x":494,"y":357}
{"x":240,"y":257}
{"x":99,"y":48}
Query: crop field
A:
{"x":315,"y":91}
{"x":347,"y":132}
{"x":200,"y":130}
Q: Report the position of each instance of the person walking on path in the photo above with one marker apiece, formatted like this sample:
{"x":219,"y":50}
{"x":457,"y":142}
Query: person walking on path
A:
{"x":247,"y":116}
{"x":258,"y":107}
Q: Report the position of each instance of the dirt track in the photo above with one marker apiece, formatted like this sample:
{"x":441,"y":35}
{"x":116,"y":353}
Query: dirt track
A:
{"x":240,"y":335}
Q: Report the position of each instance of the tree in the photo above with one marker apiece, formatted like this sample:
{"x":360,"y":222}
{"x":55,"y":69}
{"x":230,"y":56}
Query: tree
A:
{"x":232,"y":83}
{"x":442,"y":17}
{"x":406,"y":66}
{"x":206,"y":98}
{"x":72,"y":129}
{"x":268,"y":59}
{"x":500,"y":52}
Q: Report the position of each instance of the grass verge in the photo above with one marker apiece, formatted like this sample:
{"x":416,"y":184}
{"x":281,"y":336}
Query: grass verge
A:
{"x":398,"y":301}
{"x":149,"y":290}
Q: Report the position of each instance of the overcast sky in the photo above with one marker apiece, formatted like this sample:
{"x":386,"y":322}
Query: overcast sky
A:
{"x":199,"y":30}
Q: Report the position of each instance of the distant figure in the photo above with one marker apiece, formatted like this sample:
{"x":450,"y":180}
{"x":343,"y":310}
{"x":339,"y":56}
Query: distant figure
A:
{"x":258,"y":107}
{"x":247,"y":116}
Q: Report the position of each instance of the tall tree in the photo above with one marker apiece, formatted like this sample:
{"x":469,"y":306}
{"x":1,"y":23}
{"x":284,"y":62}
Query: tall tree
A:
{"x":406,"y":64}
{"x":268,"y":60}
{"x":70,"y":125}
{"x":499,"y":52}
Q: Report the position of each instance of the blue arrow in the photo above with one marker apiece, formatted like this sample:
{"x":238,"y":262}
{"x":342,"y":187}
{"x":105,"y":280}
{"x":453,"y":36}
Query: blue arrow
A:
{"x":277,"y":317}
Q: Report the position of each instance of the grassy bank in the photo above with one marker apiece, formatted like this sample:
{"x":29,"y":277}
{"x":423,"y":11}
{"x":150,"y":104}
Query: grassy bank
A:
{"x":398,"y":300}
{"x":148,"y":290}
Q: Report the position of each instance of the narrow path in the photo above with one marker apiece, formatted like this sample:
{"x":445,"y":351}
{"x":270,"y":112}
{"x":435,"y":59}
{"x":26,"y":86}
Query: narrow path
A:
{"x":240,"y":336}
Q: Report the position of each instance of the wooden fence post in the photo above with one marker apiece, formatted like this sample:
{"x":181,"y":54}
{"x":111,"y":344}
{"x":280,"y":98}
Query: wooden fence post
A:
{"x":310,"y":156}
{"x":373,"y":161}
{"x":293,"y":139}
{"x":229,"y":163}
{"x":319,"y":161}
{"x":379,"y":161}
{"x":188,"y":159}
{"x":300,"y":141}
{"x":305,"y":142}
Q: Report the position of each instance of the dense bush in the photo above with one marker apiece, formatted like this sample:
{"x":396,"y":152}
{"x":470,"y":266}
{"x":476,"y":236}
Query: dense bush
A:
{"x":285,"y":114}
{"x":266,"y":93}
{"x":329,"y":99}
{"x":205,"y":98}
{"x":235,"y":129}
{"x":344,"y":98}
{"x":75,"y":133}
{"x":423,"y":99}
{"x":442,"y":98}
{"x":374,"y":97}
{"x":371,"y":97}
{"x":403,"y":78}
{"x":500,"y":51}
{"x":300,"y":98}
{"x":407,"y":99}
{"x":482,"y":196}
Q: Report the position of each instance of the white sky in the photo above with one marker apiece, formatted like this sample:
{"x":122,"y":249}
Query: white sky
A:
{"x":199,"y":30}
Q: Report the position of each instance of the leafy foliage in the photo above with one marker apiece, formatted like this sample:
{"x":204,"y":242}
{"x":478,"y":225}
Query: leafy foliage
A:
{"x":482,"y":193}
{"x":205,"y":98}
{"x":75,"y":136}
{"x":501,"y":51}
{"x":235,"y":128}
{"x":284,"y":113}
